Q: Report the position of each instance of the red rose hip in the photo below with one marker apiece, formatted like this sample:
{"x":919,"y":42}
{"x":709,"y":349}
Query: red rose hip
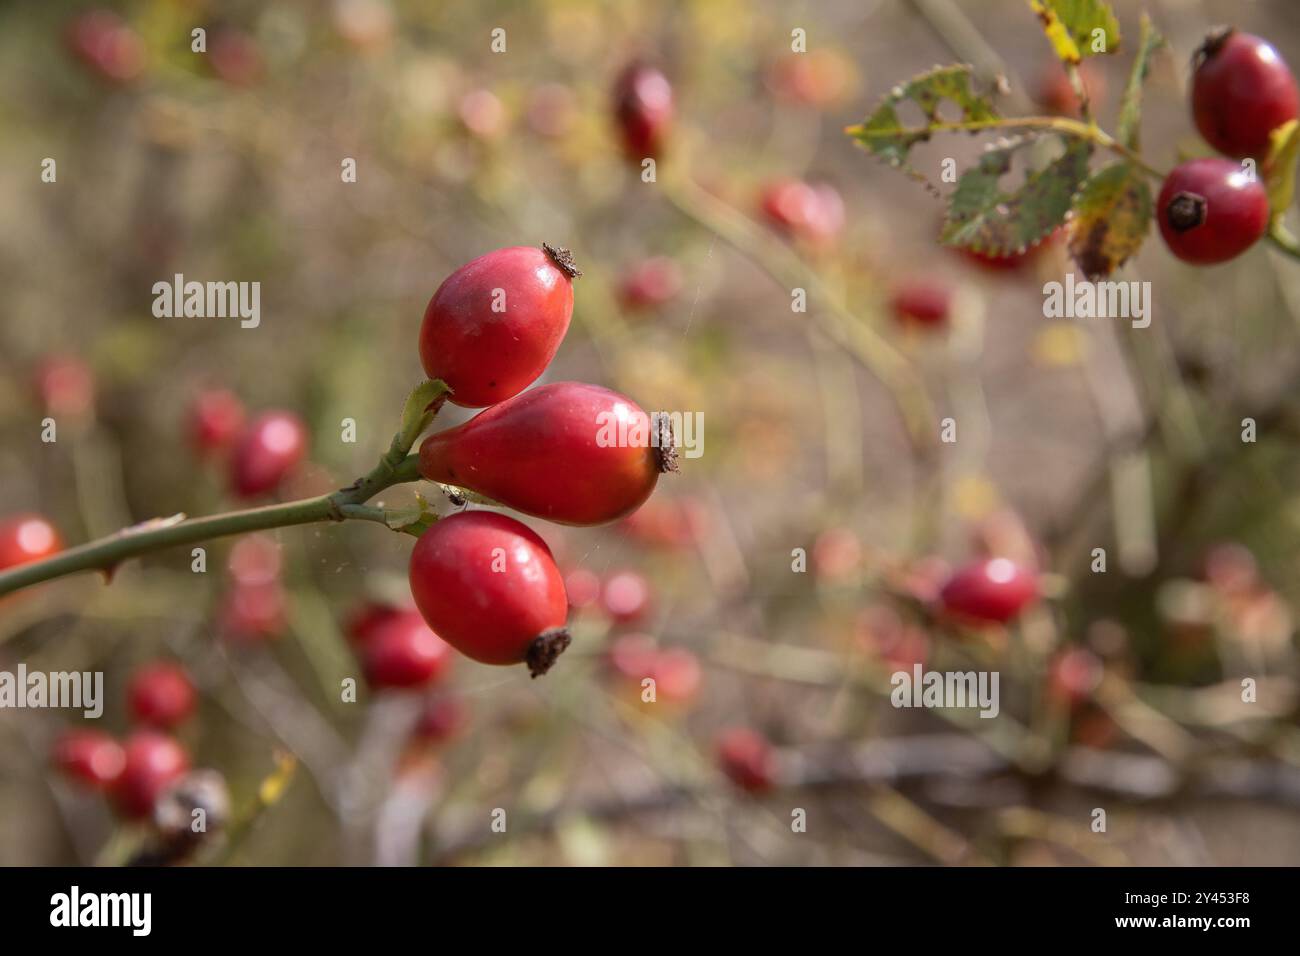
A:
{"x":496,"y":322}
{"x":488,"y":585}
{"x":921,"y":303}
{"x":272,"y":446}
{"x":216,"y":418}
{"x":747,"y":759}
{"x":401,"y":651}
{"x":153,"y":761}
{"x":90,"y":757}
{"x":1211,"y":211}
{"x":161,"y":695}
{"x":25,"y":538}
{"x":1242,"y":90}
{"x":567,"y":452}
{"x":643,"y":110}
{"x":993,"y":590}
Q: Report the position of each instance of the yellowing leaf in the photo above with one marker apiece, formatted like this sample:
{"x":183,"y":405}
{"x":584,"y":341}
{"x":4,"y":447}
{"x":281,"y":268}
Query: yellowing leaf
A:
{"x":273,"y":786}
{"x":1279,"y":167}
{"x":1112,"y":215}
{"x":1074,"y":27}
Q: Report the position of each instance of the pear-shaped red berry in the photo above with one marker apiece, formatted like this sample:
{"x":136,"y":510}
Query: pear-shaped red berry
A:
{"x":567,"y":452}
{"x":488,"y":586}
{"x":496,"y":322}
{"x":1242,"y":90}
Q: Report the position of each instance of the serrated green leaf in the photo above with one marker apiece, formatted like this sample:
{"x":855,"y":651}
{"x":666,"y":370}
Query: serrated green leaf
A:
{"x":1130,"y":111}
{"x":984,"y":218}
{"x":1279,"y":167}
{"x":1072,"y":25}
{"x":884,"y":134}
{"x":1112,"y":215}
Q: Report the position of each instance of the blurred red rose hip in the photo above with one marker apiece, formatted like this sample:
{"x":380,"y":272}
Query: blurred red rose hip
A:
{"x":993,"y":590}
{"x":153,"y":761}
{"x":401,"y":651}
{"x":747,"y":759}
{"x":91,"y":758}
{"x":643,"y":110}
{"x":272,"y":446}
{"x":216,"y":418}
{"x":25,"y":538}
{"x":161,"y":695}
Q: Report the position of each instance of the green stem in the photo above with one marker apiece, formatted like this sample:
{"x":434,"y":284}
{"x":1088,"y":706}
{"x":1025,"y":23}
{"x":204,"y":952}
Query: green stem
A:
{"x":105,"y":554}
{"x":1058,"y":124}
{"x":1282,"y":238}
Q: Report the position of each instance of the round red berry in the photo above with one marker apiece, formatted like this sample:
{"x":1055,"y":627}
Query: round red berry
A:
{"x":488,"y":585}
{"x":363,"y":622}
{"x":1211,"y":210}
{"x":161,"y":695}
{"x":255,"y":559}
{"x":747,"y":759}
{"x":583,"y":588}
{"x":89,"y":757}
{"x":253,"y":613}
{"x":625,"y":596}
{"x":25,"y":538}
{"x":1242,"y":90}
{"x":496,"y":322}
{"x":153,"y":761}
{"x":401,"y":651}
{"x":1074,"y":674}
{"x":993,"y":590}
{"x":650,"y":284}
{"x":216,"y":418}
{"x":643,"y":110}
{"x":923,"y":303}
{"x":104,"y":43}
{"x":270,"y":448}
{"x":441,"y":718}
{"x":567,"y":452}
{"x":65,"y":385}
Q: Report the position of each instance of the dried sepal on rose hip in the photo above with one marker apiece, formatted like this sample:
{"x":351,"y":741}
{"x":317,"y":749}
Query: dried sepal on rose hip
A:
{"x":488,"y":585}
{"x":567,"y":452}
{"x":496,"y":322}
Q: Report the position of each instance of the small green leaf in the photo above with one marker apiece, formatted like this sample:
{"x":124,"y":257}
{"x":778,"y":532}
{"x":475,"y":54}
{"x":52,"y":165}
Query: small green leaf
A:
{"x":421,"y":407}
{"x":984,"y":218}
{"x":1130,"y":111}
{"x":1112,"y":215}
{"x":414,"y":520}
{"x":884,"y":134}
{"x":1279,"y":167}
{"x":1073,"y":27}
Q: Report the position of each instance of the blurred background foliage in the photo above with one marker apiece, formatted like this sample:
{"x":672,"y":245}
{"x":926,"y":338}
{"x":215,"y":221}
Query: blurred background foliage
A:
{"x":1074,"y":435}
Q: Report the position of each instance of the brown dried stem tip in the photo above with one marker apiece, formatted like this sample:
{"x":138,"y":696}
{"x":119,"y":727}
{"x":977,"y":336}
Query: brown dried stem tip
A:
{"x":563,"y":258}
{"x":1186,"y":211}
{"x":665,"y":447}
{"x":546,"y":650}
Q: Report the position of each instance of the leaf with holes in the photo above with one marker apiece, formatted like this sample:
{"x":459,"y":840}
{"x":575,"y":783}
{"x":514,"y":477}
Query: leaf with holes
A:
{"x":1076,"y":28}
{"x":983,"y":218}
{"x":883,"y":132}
{"x":1130,"y":111}
{"x":1112,"y":215}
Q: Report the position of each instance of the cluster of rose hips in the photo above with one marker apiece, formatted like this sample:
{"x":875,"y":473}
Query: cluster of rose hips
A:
{"x":1211,"y":210}
{"x":136,"y":772}
{"x":567,"y":452}
{"x":113,"y":51}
